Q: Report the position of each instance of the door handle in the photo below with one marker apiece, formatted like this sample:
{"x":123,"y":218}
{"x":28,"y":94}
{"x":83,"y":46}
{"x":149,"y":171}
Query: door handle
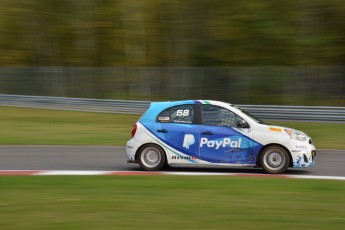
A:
{"x":207,"y":133}
{"x":162,"y":130}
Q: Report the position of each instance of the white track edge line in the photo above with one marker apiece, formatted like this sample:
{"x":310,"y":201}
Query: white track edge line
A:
{"x":88,"y":173}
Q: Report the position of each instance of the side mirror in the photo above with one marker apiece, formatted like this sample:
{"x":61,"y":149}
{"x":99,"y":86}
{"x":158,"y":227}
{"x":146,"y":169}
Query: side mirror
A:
{"x":242,"y":124}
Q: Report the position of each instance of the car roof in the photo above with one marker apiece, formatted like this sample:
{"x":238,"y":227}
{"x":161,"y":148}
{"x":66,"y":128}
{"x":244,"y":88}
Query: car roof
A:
{"x":156,"y":107}
{"x":183,"y":102}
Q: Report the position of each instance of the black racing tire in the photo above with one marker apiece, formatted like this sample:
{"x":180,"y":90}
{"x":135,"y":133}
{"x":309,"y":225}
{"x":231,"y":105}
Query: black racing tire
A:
{"x":151,"y":157}
{"x":274,"y":159}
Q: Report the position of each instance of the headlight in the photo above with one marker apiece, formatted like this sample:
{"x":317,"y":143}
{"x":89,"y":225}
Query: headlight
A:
{"x":296,"y":135}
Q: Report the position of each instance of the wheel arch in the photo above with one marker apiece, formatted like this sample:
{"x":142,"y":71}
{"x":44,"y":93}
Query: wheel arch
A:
{"x":270,"y":145}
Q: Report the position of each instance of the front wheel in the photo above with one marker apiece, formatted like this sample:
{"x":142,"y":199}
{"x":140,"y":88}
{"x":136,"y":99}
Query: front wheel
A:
{"x":274,"y":159}
{"x":151,"y":157}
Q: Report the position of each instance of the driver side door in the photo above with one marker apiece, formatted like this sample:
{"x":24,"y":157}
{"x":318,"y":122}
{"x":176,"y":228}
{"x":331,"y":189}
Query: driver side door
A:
{"x":221,"y":141}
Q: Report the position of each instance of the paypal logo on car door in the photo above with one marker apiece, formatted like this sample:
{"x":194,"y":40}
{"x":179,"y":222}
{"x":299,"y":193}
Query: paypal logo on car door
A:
{"x":224,"y":142}
{"x":222,"y":148}
{"x":188,"y":140}
{"x":226,"y":145}
{"x":234,"y":142}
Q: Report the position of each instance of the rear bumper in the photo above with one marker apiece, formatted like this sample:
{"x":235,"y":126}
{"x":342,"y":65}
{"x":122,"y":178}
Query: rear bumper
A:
{"x":131,"y":149}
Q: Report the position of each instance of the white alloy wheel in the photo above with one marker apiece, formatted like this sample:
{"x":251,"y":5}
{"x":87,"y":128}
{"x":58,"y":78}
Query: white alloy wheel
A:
{"x":151,"y":157}
{"x":275,"y":159}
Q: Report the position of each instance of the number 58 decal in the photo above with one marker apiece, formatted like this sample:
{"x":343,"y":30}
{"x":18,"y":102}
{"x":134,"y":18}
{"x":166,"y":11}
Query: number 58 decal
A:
{"x":183,"y":113}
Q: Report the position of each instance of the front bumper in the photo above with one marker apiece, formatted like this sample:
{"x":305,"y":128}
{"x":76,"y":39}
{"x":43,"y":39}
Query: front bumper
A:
{"x":303,"y":155}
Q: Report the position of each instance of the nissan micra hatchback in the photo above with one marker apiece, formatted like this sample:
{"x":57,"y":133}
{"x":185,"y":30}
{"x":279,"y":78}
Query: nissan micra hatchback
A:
{"x":212,"y":133}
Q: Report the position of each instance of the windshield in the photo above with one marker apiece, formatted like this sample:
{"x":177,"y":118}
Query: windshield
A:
{"x":250,"y":115}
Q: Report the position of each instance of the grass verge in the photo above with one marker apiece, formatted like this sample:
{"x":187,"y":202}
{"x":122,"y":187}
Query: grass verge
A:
{"x":58,"y":127}
{"x":170,"y":202}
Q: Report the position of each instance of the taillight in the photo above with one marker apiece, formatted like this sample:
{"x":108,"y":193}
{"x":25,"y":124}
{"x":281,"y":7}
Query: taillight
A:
{"x":134,"y":130}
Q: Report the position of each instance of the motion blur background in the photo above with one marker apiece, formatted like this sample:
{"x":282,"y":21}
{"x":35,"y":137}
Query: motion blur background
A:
{"x":288,"y":52}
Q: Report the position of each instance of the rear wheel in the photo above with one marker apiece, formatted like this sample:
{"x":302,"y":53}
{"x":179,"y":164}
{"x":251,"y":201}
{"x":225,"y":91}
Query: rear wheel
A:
{"x":274,"y":159}
{"x":151,"y":157}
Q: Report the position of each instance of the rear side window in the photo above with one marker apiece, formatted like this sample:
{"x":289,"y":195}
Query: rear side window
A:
{"x":177,"y":114}
{"x":164,"y":116}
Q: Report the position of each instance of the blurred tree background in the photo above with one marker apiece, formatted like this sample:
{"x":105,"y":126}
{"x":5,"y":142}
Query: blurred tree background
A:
{"x":254,"y":52}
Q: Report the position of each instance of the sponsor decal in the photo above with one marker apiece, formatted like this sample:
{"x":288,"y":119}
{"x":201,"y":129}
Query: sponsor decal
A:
{"x":301,"y":147}
{"x":183,"y":158}
{"x":188,"y":140}
{"x":274,"y":129}
{"x":222,"y":143}
{"x":166,"y":119}
{"x":296,"y":151}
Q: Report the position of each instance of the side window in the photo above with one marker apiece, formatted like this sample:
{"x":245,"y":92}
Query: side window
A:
{"x":182,"y":114}
{"x":177,"y":114}
{"x":164,"y":116}
{"x":218,"y":116}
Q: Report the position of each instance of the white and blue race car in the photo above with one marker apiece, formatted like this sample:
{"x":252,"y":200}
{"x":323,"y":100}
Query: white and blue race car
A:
{"x":212,"y":133}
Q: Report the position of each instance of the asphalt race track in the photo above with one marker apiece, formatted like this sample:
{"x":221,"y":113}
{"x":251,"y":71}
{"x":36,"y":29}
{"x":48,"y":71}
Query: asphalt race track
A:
{"x":112,"y":158}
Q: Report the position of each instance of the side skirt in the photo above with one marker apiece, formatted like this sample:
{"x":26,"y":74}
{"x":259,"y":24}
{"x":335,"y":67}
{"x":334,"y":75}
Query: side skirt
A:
{"x":211,"y":165}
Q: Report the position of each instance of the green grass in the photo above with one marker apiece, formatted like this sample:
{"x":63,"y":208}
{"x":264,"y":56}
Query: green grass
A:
{"x":58,"y":127}
{"x":169,"y":202}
